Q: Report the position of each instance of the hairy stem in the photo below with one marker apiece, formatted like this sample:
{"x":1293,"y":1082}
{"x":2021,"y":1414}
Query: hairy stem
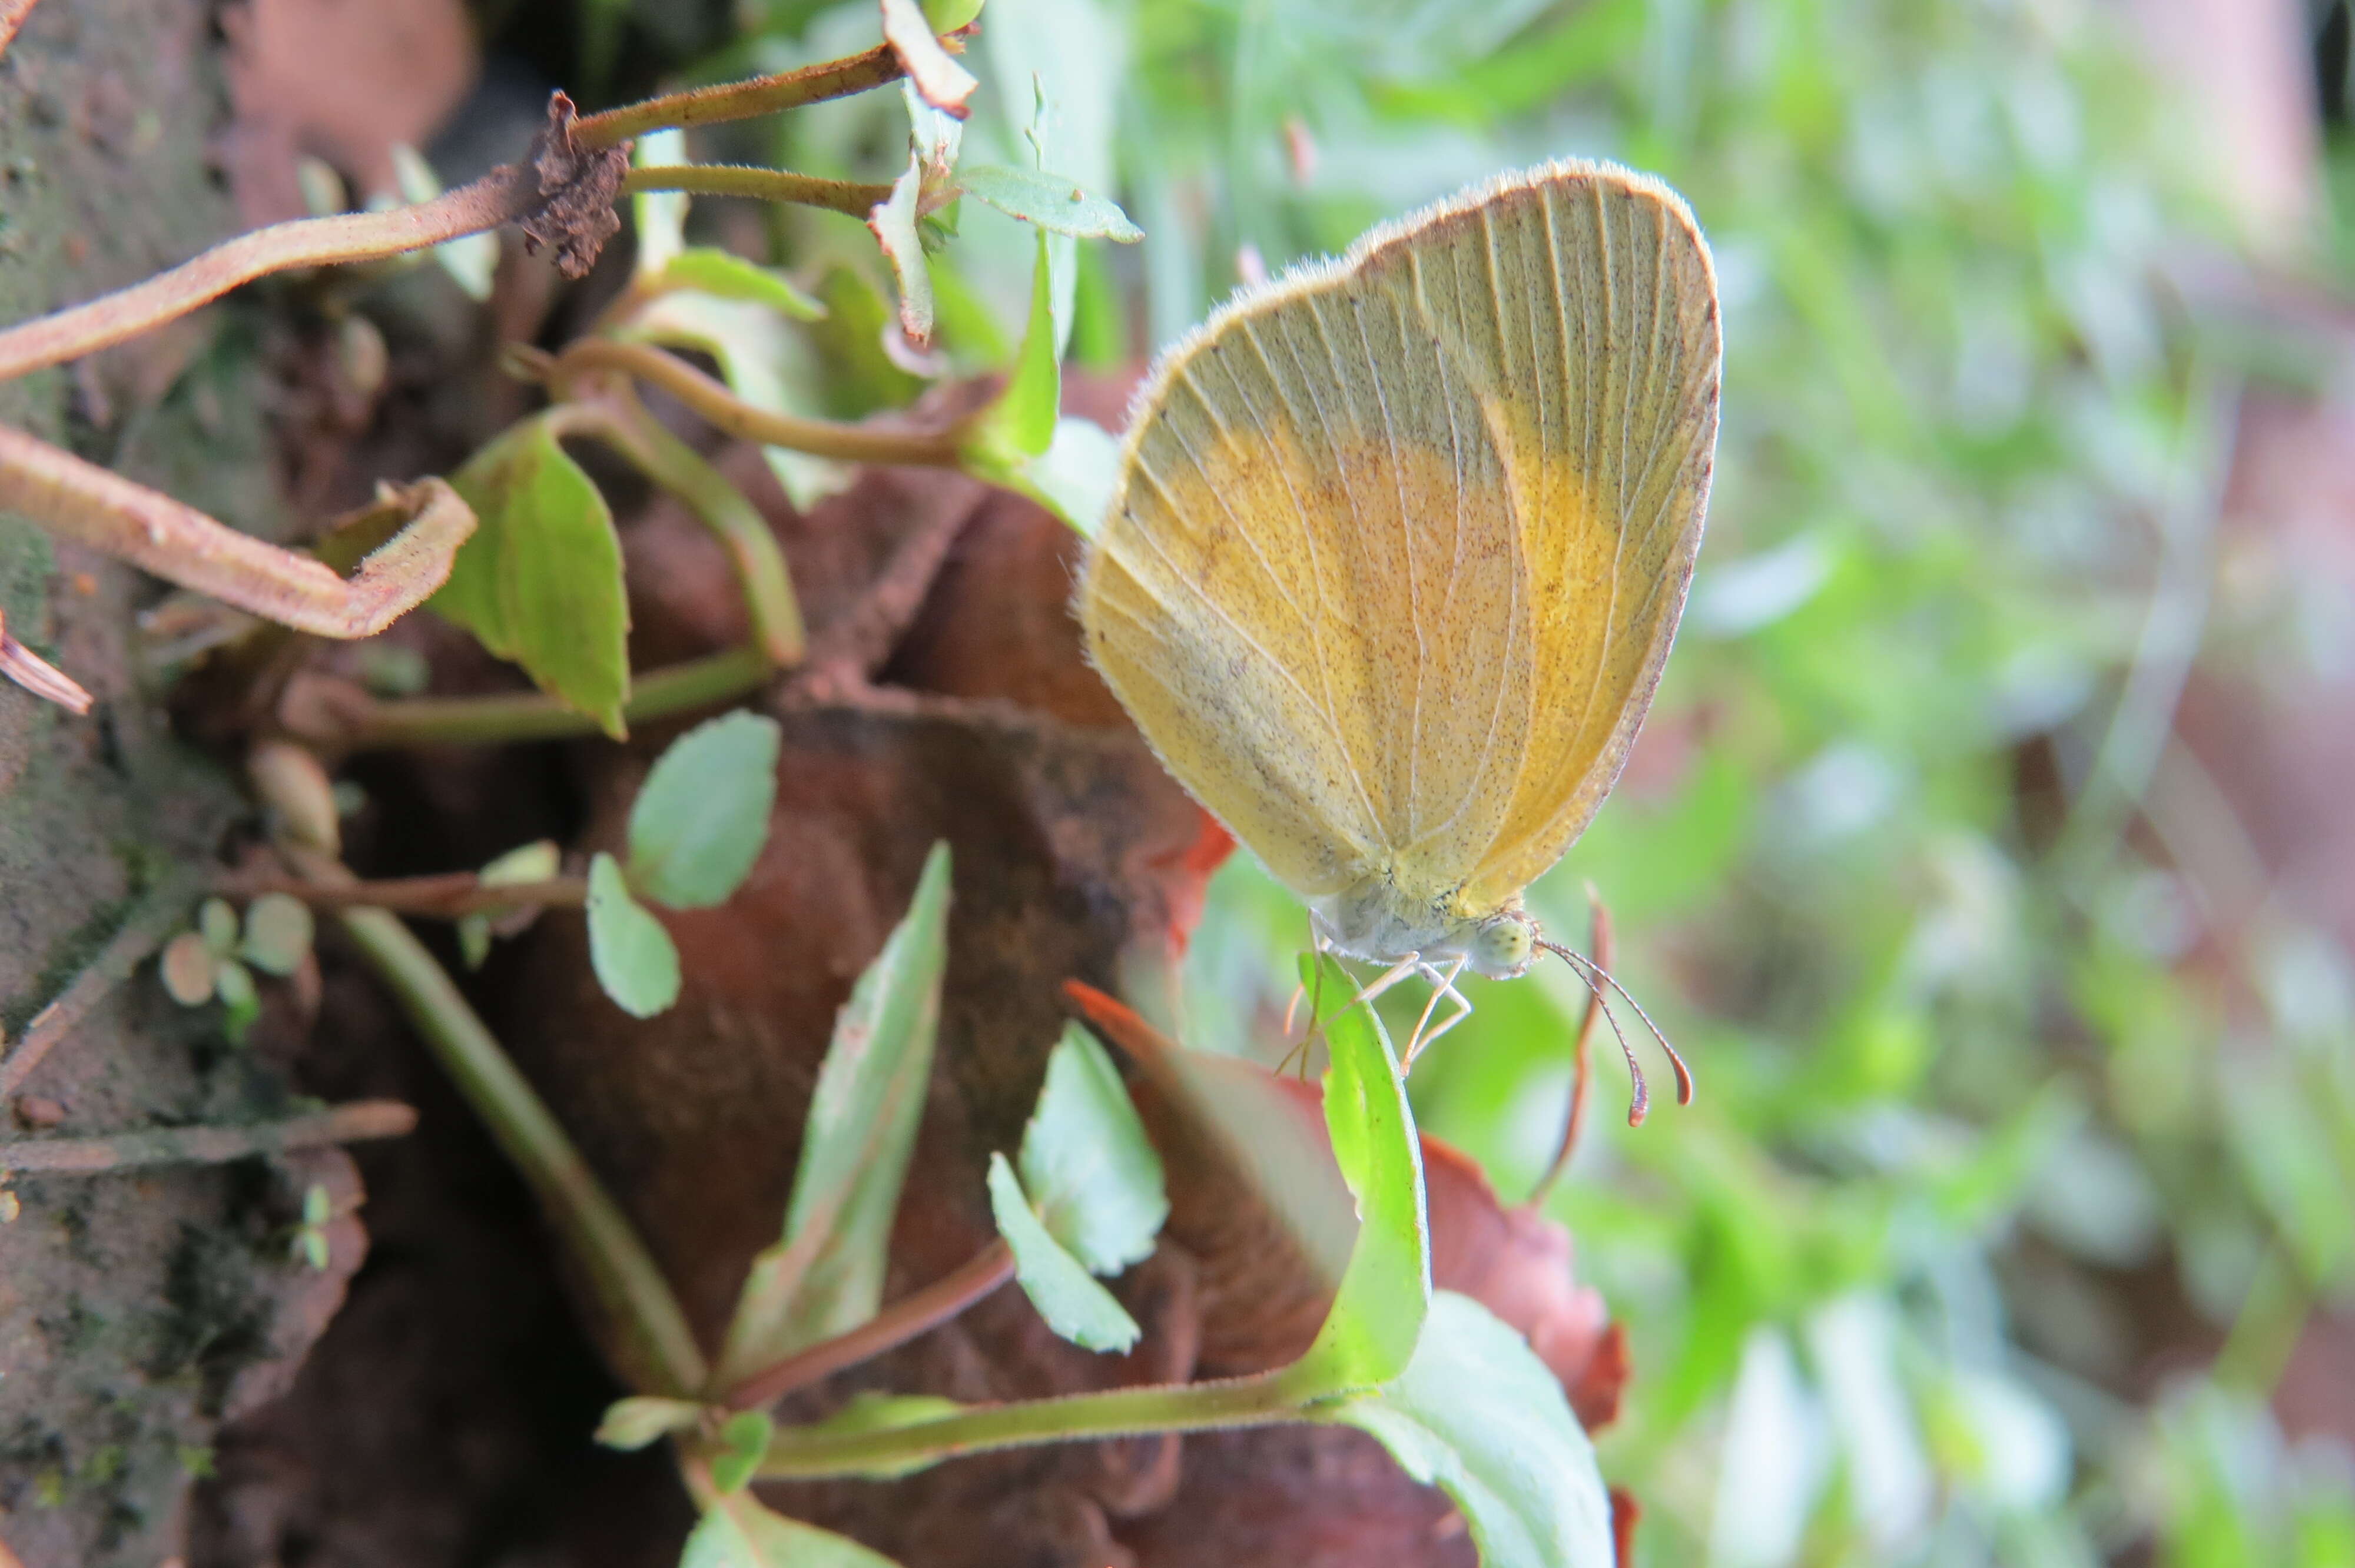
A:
{"x":1115,"y":1412}
{"x":742,"y":99}
{"x":897,"y":1324}
{"x":724,"y":409}
{"x":79,"y":500}
{"x":503,"y":194}
{"x":209,"y":1145}
{"x":531,"y":715}
{"x":622,"y":422}
{"x":851,"y":196}
{"x":157,"y":916}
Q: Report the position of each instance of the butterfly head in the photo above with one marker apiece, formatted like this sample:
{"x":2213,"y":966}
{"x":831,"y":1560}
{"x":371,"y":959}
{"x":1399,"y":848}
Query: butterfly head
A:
{"x":1503,"y":946}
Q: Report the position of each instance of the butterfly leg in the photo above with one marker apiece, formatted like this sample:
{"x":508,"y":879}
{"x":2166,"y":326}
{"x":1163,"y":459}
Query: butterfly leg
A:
{"x":1443,"y":985}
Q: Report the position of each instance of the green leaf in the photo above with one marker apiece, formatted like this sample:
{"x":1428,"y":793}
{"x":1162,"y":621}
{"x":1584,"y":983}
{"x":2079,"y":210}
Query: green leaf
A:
{"x":737,"y":1531}
{"x":658,"y":218}
{"x":893,"y":221}
{"x":540,"y":581}
{"x":217,"y":921}
{"x":1087,"y":1165}
{"x":872,"y":1412}
{"x":1049,"y":201}
{"x":534,"y":861}
{"x":725,"y":275}
{"x":1020,"y":425}
{"x":1385,"y":1291}
{"x":948,"y":15}
{"x":278,"y":932}
{"x":1476,"y":1414}
{"x":633,"y":954}
{"x":1075,"y":1304}
{"x":1074,"y":477}
{"x":743,"y":1441}
{"x":825,"y":1277}
{"x":233,"y":983}
{"x":635,"y":1421}
{"x":701,"y":819}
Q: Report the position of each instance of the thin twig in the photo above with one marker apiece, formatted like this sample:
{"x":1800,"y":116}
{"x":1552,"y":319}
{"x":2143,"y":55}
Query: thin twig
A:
{"x":504,"y":194}
{"x":1583,"y":1060}
{"x":855,"y":644}
{"x":354,"y":1123}
{"x":741,"y":100}
{"x":532,"y":715}
{"x":162,"y":911}
{"x":824,"y":437}
{"x":79,"y":500}
{"x":449,"y":895}
{"x":851,"y":196}
{"x":897,"y":1324}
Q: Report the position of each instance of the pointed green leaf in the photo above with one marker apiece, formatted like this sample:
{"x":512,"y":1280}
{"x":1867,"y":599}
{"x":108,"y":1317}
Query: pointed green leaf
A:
{"x":1090,"y":1171}
{"x":539,"y":581}
{"x":727,"y":276}
{"x":1476,"y":1414}
{"x":1067,"y":1297}
{"x":633,"y":957}
{"x":825,"y":1277}
{"x":635,"y":1421}
{"x":701,"y":819}
{"x":1385,"y":1291}
{"x":1049,"y":201}
{"x":737,"y":1531}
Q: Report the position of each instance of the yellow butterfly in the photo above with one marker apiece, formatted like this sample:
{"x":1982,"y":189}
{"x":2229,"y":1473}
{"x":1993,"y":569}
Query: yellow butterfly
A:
{"x":1398,"y":548}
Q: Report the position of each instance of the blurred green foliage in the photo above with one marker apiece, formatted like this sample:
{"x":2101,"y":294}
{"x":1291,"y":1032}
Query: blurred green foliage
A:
{"x":1998,"y":1215}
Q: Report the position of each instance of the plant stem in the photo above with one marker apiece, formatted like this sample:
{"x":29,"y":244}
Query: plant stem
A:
{"x":531,"y":716}
{"x":619,"y":419}
{"x":1582,"y":1075}
{"x":503,"y":194}
{"x":850,"y":196}
{"x":82,"y":501}
{"x":209,"y":1145}
{"x":163,"y":909}
{"x":1255,"y":1401}
{"x":449,"y":895}
{"x":36,"y":674}
{"x":742,"y":99}
{"x":644,"y":1330}
{"x":723,"y":408}
{"x":897,"y":1324}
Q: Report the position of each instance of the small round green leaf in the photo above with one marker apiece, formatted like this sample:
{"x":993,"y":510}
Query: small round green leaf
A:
{"x":217,"y":921}
{"x":233,"y":983}
{"x":278,"y":932}
{"x":633,"y":954}
{"x":699,"y":823}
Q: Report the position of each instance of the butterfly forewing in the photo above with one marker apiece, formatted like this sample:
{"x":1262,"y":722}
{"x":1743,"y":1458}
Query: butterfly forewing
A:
{"x":1400,"y":541}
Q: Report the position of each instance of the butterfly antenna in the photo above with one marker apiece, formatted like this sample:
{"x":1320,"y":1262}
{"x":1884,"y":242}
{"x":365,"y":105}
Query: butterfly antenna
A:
{"x":1590,"y":971}
{"x":1640,"y":1105}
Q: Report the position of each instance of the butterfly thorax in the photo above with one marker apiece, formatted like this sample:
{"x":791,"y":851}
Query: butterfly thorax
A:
{"x":1376,"y":920}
